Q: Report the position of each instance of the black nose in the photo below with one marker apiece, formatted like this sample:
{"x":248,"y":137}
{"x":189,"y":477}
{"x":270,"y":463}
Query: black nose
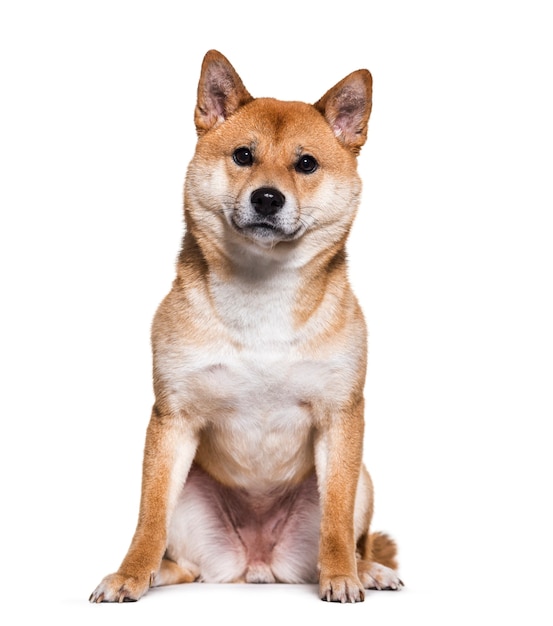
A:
{"x":267,"y":200}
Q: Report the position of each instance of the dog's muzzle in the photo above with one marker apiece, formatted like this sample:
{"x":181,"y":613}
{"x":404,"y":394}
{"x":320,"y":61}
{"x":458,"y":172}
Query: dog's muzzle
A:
{"x":267,"y":218}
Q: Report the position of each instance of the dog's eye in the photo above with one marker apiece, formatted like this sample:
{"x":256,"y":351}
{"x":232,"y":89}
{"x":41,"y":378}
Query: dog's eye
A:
{"x":243,"y":157}
{"x":306,"y":164}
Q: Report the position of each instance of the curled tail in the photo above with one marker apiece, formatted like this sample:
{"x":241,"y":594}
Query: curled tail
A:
{"x":384,"y":549}
{"x":378,"y":547}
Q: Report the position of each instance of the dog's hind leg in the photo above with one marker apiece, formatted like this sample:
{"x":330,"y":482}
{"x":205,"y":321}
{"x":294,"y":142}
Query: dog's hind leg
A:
{"x":377,"y":564}
{"x":171,"y":573}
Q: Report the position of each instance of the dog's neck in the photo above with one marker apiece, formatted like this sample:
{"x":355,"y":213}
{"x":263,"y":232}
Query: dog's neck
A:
{"x":253,"y":287}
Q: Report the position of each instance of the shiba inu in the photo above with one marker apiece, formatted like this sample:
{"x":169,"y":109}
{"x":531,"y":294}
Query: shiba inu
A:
{"x":253,"y":465}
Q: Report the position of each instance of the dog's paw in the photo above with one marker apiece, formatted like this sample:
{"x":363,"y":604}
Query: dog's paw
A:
{"x":120,"y":588}
{"x":341,"y":589}
{"x":377,"y":576}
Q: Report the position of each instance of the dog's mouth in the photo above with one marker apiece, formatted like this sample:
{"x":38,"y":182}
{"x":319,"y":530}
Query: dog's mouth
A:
{"x":263,"y":226}
{"x":266,"y":230}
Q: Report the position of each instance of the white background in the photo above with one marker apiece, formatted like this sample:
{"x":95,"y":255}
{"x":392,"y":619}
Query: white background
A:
{"x":451,"y":258}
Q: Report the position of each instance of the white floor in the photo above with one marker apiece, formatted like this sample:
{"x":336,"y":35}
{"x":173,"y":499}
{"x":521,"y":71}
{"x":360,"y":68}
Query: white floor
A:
{"x":477,"y":604}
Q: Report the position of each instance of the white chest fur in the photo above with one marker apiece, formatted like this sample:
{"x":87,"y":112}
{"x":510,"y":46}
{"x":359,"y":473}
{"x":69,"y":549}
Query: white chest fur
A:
{"x":251,"y":385}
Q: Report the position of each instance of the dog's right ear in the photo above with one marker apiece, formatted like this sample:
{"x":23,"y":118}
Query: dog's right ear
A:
{"x":220,"y":92}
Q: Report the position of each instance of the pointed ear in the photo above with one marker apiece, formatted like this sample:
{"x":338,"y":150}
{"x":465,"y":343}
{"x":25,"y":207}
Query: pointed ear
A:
{"x":220,"y":92}
{"x":347,"y":107}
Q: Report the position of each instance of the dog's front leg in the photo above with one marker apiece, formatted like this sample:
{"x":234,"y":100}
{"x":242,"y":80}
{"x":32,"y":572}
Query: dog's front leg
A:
{"x":168,"y":454}
{"x":338,"y":458}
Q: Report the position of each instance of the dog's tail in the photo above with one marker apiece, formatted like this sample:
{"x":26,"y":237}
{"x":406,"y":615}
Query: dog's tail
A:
{"x":382,"y":549}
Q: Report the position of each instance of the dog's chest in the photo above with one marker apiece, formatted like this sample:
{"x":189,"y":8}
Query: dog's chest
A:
{"x":253,"y":388}
{"x":259,"y":417}
{"x":256,"y":367}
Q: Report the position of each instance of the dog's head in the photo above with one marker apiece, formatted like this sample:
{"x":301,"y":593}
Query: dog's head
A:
{"x":273,"y":176}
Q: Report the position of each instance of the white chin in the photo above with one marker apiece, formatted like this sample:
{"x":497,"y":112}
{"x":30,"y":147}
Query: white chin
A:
{"x":265,"y":240}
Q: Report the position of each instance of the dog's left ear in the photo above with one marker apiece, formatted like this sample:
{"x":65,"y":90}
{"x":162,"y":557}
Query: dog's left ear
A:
{"x":347,"y":107}
{"x":220,"y":92}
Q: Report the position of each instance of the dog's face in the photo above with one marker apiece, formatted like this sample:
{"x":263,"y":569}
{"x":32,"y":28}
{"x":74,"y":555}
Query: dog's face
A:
{"x":273,"y":175}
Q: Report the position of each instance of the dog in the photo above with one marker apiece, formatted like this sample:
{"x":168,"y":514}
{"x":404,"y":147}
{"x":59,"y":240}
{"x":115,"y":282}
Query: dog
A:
{"x":253,"y":466}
